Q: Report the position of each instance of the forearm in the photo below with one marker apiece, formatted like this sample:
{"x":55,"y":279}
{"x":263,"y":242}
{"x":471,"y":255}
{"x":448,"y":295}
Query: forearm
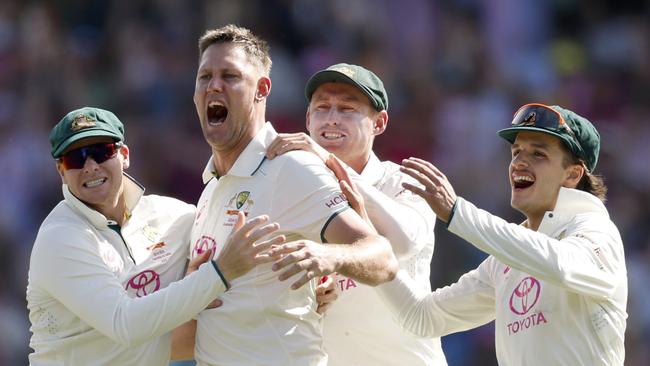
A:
{"x":572,"y":263}
{"x":105,"y":306}
{"x":183,"y":341}
{"x":368,"y":260}
{"x":464,"y":305}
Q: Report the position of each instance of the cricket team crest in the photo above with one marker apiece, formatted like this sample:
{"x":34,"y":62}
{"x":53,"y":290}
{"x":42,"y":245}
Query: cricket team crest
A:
{"x":241,"y":198}
{"x":82,"y":121}
{"x":239,"y":202}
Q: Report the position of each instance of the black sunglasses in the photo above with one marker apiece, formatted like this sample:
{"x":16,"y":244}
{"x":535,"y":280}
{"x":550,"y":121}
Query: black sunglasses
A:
{"x":76,"y":159}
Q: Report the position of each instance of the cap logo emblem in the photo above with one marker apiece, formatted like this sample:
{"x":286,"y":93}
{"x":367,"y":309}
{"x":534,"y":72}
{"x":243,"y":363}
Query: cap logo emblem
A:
{"x":82,"y":121}
{"x":345,"y":71}
{"x":530,"y":119}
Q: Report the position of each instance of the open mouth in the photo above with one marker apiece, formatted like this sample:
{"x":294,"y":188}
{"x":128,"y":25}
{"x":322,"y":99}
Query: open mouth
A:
{"x":217,"y":113}
{"x":94,"y":183}
{"x":330,"y":135}
{"x":522,"y":181}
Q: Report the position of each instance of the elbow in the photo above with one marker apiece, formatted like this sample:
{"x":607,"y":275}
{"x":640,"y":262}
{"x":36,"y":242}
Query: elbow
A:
{"x":388,"y":268}
{"x":391,"y":268}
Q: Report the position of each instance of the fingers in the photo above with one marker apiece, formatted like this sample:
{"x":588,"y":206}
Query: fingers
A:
{"x":302,"y":280}
{"x":354,"y":199}
{"x":260,"y":232}
{"x":336,"y":166}
{"x":325,"y":285}
{"x":417,"y":175}
{"x":294,"y":262}
{"x":415,"y":189}
{"x":286,"y":142}
{"x":261,"y":249}
{"x":241,"y":219}
{"x":214,"y":304}
{"x":286,"y":249}
{"x":323,"y":308}
{"x":198,"y":260}
{"x":425,"y":168}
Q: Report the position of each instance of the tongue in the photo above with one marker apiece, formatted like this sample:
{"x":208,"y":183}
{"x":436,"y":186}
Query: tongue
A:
{"x":217,"y":114}
{"x":523,"y":184}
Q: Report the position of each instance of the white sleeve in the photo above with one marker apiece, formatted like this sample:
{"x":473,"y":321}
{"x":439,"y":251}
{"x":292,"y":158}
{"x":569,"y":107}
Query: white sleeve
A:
{"x":466,"y":304}
{"x":70,"y":270}
{"x":405,"y":220}
{"x":588,"y":261}
{"x":308,"y":196}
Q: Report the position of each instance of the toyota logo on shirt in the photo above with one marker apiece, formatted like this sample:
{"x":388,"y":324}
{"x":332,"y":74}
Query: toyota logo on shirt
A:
{"x":525,"y":295}
{"x":144,"y":283}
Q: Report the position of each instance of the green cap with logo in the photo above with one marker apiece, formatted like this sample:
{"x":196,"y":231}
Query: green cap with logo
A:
{"x":583,"y":140}
{"x":82,"y":123}
{"x":355,"y":75}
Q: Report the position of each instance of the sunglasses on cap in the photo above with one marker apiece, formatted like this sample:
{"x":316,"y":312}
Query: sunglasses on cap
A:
{"x":76,"y":159}
{"x":543,"y":116}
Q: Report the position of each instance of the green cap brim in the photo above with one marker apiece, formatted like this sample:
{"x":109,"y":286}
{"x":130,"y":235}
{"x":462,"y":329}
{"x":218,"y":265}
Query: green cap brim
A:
{"x":332,"y":76}
{"x":510,"y":134}
{"x":82,"y":135}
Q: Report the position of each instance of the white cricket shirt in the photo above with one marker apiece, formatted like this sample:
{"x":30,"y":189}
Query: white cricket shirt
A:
{"x":558,"y":294}
{"x":88,"y":279}
{"x":359,"y":328}
{"x":262,"y":321}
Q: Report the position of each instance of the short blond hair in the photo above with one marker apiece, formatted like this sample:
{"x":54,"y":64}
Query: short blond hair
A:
{"x":255,"y":48}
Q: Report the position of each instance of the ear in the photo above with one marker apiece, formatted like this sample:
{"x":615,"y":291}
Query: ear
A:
{"x":263,"y":88}
{"x":575,"y":172}
{"x":60,"y":169}
{"x":124,"y":151}
{"x":307,"y":121}
{"x":380,"y":123}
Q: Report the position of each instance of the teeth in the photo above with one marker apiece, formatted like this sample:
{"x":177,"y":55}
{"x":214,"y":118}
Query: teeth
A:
{"x":214,"y":104}
{"x":523,"y":178}
{"x":94,"y":183}
{"x":332,"y":135}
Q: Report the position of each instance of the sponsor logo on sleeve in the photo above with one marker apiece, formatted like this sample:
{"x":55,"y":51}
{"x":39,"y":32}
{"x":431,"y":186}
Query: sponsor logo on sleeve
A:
{"x":144,"y":283}
{"x":524,"y":297}
{"x":336,"y":201}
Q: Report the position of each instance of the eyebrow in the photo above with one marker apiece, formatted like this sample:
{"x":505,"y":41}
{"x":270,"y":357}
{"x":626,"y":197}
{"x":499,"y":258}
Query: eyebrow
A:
{"x":346,"y":98}
{"x":539,"y":145}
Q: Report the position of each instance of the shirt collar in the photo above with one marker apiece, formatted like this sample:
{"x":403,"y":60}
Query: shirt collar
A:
{"x":133,"y":191}
{"x":250,"y":159}
{"x":571,"y":202}
{"x":372,"y":172}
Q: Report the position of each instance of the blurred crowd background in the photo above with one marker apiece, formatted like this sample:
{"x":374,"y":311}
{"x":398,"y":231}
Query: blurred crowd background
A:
{"x":455,"y":70}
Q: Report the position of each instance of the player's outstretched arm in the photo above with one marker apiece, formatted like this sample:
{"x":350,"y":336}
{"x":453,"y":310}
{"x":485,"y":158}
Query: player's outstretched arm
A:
{"x":75,"y":274}
{"x":359,"y":253}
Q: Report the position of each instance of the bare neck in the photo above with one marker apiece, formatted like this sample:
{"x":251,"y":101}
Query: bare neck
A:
{"x":116,"y":212}
{"x":359,"y":163}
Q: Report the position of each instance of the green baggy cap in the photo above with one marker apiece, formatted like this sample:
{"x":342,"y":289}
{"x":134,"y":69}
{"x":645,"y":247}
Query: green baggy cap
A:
{"x":82,"y":123}
{"x":358,"y":76}
{"x":583,"y":143}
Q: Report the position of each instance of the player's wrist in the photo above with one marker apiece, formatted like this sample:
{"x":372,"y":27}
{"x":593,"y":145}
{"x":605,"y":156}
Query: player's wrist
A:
{"x":220,"y":272}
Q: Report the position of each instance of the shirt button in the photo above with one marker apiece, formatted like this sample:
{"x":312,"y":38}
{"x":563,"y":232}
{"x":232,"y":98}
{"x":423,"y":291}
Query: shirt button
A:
{"x":550,"y":215}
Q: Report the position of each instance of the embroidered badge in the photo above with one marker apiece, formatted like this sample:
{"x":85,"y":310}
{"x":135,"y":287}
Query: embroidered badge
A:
{"x":82,"y":121}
